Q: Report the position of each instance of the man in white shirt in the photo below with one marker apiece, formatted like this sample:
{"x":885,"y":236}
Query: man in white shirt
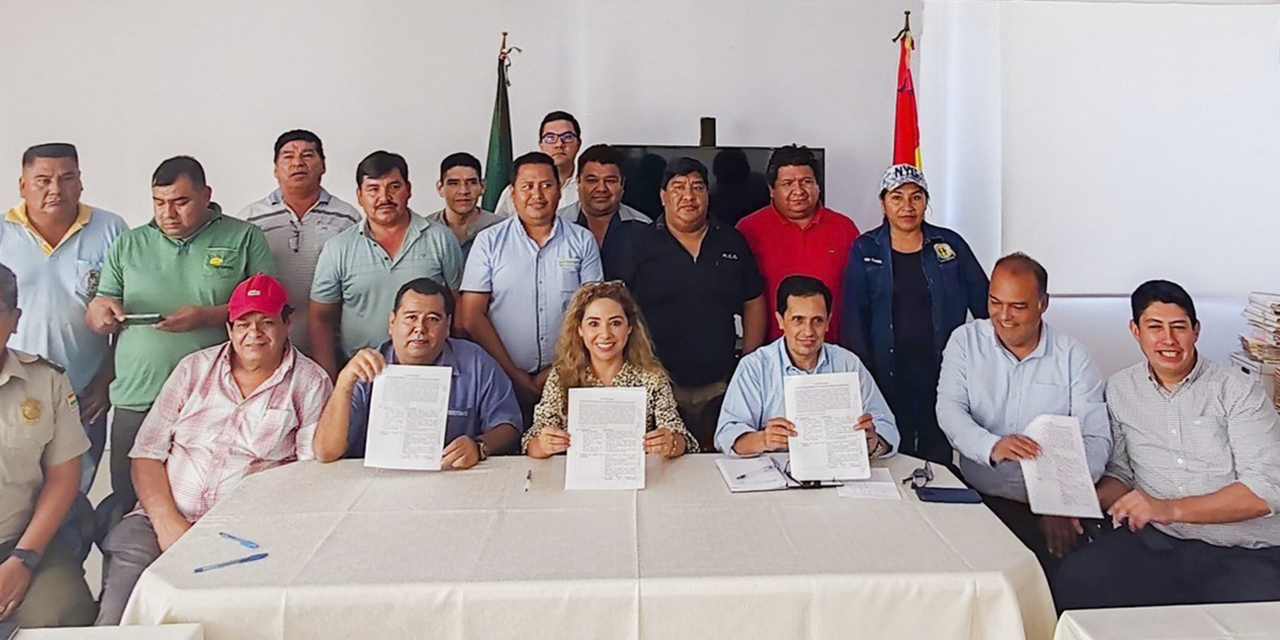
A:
{"x":560,"y":137}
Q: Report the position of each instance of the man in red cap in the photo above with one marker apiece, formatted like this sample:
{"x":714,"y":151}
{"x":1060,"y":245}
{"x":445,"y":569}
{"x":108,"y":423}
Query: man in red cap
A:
{"x":244,"y":406}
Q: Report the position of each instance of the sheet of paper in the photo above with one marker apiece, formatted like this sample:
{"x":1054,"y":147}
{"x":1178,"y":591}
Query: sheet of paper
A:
{"x":606,"y":438}
{"x":744,"y":475}
{"x":408,"y":414}
{"x":1058,"y":480}
{"x":824,"y":408}
{"x":880,"y":486}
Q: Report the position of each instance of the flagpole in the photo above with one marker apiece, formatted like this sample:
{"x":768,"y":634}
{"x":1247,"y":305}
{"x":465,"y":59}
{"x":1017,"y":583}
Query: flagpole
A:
{"x":906,"y":27}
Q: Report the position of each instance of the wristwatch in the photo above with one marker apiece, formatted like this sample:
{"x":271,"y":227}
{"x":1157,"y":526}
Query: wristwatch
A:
{"x":484,"y":449}
{"x":27,"y":557}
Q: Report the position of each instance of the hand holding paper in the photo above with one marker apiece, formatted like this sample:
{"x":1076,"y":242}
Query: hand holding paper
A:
{"x":822,"y":408}
{"x":1058,"y":480}
{"x":408,"y":414}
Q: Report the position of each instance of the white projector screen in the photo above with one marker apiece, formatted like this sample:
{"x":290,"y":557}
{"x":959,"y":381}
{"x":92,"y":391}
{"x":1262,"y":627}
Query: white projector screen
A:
{"x":1142,"y":141}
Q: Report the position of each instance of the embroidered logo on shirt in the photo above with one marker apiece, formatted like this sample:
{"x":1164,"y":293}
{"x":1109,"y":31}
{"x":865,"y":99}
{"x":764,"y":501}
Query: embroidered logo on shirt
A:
{"x":944,"y":252}
{"x":729,"y":256}
{"x":72,"y":400}
{"x":215,"y":261}
{"x":872,"y":260}
{"x":31,"y":410}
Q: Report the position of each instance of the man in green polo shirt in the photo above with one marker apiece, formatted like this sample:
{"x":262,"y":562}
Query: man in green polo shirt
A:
{"x":183,"y":265}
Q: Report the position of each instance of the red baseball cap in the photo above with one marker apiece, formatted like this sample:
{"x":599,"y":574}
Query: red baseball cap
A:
{"x":260,"y":293}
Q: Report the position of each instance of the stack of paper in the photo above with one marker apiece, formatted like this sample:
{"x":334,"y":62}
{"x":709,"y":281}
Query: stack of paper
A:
{"x":1260,"y":343}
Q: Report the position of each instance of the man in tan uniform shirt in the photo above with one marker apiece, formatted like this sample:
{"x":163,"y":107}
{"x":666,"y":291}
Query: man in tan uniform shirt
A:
{"x":41,"y":441}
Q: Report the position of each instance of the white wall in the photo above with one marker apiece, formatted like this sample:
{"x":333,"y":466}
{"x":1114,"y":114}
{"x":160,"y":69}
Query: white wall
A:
{"x":1092,"y":136}
{"x":145,"y":79}
{"x":139,"y":80}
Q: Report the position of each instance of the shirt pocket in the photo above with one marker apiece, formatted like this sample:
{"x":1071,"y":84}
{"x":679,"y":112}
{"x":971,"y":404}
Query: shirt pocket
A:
{"x":1206,"y":448}
{"x":1050,"y":398}
{"x":570,"y":270}
{"x":223,"y":262}
{"x":273,"y":439}
{"x":88,"y":275}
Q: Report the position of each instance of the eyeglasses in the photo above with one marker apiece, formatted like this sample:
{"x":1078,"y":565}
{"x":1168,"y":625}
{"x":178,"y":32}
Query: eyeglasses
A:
{"x":785,"y":470}
{"x":920,"y":478}
{"x":567,"y":137}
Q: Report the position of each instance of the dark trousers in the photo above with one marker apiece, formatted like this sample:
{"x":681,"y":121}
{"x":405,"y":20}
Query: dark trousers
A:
{"x":913,"y":398}
{"x":1026,"y":526}
{"x":124,"y":430}
{"x":1150,"y":568}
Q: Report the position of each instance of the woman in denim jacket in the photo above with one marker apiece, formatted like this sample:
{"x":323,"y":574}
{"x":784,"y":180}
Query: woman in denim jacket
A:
{"x":907,"y":286}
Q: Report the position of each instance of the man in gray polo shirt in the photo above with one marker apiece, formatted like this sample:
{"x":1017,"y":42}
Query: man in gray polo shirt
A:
{"x":298,"y":218}
{"x":361,"y":269}
{"x":461,"y":188}
{"x":1193,"y":483}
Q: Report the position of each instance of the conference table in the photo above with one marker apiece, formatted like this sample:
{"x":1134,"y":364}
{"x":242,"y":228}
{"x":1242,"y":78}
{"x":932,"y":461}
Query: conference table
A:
{"x":1252,"y":621}
{"x":372,"y":553}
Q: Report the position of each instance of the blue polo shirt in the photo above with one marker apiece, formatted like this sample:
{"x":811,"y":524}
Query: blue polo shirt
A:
{"x":355,"y":270}
{"x":529,"y":286}
{"x":480,"y":398}
{"x":55,"y":285}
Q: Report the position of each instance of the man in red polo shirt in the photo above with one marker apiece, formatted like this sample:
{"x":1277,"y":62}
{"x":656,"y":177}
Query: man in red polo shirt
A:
{"x":795,"y":234}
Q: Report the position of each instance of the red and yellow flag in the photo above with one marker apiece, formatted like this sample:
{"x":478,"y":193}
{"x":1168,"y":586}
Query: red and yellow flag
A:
{"x":906,"y":130}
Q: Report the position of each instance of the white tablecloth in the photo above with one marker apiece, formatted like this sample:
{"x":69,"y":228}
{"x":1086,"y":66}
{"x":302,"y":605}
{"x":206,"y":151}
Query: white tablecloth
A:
{"x":1253,"y":621}
{"x":165,"y":632}
{"x":366,"y":553}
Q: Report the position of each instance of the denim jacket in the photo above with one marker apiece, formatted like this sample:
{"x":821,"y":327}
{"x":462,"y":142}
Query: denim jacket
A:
{"x":957,"y":286}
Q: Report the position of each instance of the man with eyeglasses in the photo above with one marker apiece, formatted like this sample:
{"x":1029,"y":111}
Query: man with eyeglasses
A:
{"x":298,"y":218}
{"x":691,"y":275}
{"x":520,"y":277}
{"x":559,"y":137}
{"x":752,"y":420}
{"x":484,"y":416}
{"x":1000,"y":374}
{"x":41,"y":442}
{"x":56,"y":245}
{"x":599,"y":208}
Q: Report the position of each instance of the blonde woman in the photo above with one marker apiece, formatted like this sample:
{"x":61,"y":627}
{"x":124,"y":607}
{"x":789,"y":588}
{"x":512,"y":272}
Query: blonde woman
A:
{"x":604,"y":343}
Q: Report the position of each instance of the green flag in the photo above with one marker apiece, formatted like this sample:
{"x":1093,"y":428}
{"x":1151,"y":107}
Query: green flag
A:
{"x":497,"y":166}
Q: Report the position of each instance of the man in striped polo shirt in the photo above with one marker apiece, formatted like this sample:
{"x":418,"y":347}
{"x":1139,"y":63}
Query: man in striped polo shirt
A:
{"x":298,"y":218}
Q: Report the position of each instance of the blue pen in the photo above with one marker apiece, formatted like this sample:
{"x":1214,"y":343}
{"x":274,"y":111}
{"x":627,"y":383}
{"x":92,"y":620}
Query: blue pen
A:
{"x":253,"y":558}
{"x":248,"y":544}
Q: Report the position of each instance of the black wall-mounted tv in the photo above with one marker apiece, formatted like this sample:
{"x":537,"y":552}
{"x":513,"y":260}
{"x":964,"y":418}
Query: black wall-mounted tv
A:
{"x":737,"y":181}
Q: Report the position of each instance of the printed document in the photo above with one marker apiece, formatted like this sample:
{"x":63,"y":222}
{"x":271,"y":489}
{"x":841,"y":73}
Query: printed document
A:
{"x":606,"y":438}
{"x":1058,"y":480}
{"x":824,"y":408}
{"x":408,"y":414}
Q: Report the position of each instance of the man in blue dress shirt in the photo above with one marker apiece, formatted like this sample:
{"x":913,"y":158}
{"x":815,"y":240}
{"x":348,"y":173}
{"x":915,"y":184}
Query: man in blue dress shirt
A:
{"x":751,"y":419}
{"x":1000,"y":374}
{"x":484,"y":417}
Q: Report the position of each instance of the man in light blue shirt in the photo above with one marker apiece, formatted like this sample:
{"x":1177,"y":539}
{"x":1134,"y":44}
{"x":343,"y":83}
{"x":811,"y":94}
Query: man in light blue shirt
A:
{"x":55,"y":246}
{"x":520,"y":276}
{"x":361,"y":269}
{"x":751,"y":419}
{"x":998,"y":375}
